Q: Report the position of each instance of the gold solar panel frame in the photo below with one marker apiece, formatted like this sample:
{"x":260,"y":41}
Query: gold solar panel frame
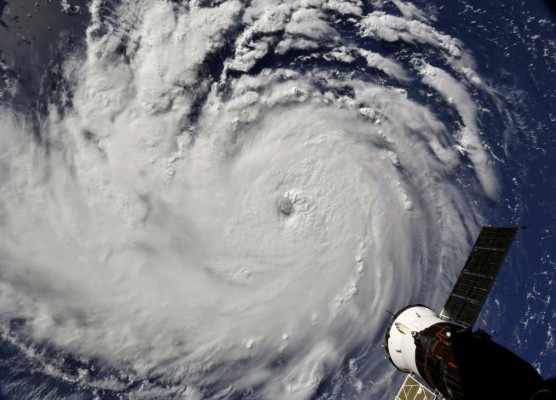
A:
{"x":412,"y":389}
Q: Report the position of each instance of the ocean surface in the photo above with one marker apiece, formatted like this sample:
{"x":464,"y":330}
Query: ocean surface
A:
{"x":224,"y":199}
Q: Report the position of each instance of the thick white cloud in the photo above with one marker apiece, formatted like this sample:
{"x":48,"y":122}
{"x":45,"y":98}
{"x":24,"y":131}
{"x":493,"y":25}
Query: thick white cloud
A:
{"x":392,"y":28}
{"x":200,"y":227}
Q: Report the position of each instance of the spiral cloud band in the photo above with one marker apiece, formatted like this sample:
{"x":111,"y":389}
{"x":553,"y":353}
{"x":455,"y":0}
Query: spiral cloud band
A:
{"x":228,"y":197}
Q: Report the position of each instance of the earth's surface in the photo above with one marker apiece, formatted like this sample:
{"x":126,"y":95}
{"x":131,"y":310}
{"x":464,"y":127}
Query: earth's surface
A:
{"x":222,"y":199}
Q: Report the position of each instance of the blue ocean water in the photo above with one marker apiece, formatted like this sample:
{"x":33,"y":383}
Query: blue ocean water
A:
{"x":515,"y":51}
{"x":509,"y":41}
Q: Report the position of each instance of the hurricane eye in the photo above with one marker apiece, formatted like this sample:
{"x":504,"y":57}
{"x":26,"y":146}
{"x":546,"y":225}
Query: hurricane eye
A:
{"x":285,"y":207}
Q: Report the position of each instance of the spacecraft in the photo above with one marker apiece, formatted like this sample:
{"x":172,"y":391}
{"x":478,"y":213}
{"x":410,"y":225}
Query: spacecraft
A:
{"x":454,"y":361}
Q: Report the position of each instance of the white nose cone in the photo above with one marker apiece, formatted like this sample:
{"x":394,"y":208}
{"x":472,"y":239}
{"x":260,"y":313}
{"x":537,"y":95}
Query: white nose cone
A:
{"x":400,"y":342}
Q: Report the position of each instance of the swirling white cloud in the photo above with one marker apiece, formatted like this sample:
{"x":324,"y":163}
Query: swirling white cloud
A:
{"x":206,"y":213}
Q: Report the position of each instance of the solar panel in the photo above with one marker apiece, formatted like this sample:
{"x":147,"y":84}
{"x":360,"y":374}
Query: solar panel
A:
{"x":477,"y":277}
{"x":413,"y":390}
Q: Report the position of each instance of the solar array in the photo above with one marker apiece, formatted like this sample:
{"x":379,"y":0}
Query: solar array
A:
{"x":413,"y":390}
{"x":477,"y":276}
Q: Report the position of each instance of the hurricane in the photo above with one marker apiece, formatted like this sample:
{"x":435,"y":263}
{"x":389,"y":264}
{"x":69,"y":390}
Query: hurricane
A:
{"x":224,"y":199}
